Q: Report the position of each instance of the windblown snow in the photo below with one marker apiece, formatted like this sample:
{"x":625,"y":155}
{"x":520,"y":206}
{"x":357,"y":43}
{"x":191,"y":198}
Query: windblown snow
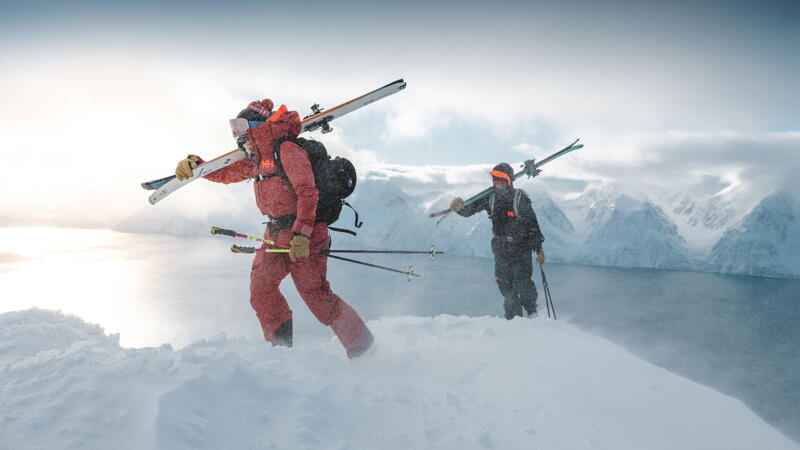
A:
{"x":441,"y":382}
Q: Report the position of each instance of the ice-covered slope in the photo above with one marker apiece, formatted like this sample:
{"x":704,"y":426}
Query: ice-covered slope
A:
{"x":702,"y":220}
{"x":637,"y":234}
{"x":765,"y":242}
{"x":445,"y":382}
{"x":592,"y":208}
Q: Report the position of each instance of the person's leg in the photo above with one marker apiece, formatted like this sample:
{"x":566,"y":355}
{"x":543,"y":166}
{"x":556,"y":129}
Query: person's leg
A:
{"x":524,"y":287}
{"x":503,"y":275}
{"x":309,"y":275}
{"x":271,"y":308}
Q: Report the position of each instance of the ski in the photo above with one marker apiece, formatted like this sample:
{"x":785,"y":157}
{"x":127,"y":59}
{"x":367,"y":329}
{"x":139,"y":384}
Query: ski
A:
{"x":530,"y":168}
{"x":318,"y":119}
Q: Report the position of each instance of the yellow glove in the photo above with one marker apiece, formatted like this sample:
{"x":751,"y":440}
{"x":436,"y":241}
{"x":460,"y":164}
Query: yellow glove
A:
{"x":298,"y":247}
{"x":457,"y":204}
{"x":185,"y":167}
{"x":540,"y":257}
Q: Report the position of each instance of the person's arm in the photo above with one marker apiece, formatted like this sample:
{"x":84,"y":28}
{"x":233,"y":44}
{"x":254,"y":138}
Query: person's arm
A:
{"x":482,"y":204}
{"x":234,"y":173}
{"x":239,"y":171}
{"x":301,"y":176}
{"x":532,"y":224}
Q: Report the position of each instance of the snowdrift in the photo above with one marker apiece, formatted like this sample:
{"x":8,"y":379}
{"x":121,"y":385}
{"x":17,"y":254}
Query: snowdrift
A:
{"x":443,"y":382}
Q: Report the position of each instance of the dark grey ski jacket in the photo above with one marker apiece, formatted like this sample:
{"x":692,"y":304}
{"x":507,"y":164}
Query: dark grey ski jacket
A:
{"x":514,"y":223}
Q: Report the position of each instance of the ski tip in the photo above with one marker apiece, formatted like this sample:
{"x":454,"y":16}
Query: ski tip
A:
{"x":401,"y":82}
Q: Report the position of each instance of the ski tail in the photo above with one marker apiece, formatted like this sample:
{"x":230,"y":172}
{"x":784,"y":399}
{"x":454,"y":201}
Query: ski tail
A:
{"x":155,"y":184}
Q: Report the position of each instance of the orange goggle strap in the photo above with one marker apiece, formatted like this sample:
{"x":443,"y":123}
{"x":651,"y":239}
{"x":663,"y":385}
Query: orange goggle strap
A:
{"x":277,"y":114}
{"x":499,"y":174}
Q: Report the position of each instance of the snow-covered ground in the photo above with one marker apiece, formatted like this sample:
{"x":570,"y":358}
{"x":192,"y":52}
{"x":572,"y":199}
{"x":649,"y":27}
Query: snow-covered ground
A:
{"x":441,"y":382}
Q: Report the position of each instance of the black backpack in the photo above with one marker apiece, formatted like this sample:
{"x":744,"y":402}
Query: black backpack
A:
{"x":335,"y":179}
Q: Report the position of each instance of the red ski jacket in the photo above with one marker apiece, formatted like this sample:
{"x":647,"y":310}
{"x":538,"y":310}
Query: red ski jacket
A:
{"x":275,"y":196}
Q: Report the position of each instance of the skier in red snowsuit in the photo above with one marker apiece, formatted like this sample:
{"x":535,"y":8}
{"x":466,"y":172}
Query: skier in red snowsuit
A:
{"x":290,"y":201}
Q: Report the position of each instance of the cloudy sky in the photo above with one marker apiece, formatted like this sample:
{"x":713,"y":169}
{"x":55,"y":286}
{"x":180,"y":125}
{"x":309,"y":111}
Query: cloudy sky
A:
{"x":99,"y":96}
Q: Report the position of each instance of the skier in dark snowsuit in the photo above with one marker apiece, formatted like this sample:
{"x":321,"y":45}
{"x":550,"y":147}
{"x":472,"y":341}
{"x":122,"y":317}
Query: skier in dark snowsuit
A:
{"x":516,"y":233}
{"x":291,"y":202}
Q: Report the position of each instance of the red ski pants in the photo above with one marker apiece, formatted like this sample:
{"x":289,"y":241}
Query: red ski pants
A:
{"x":309,"y":276}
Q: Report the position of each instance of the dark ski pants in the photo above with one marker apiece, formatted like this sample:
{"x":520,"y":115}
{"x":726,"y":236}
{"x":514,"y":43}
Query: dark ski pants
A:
{"x":513,"y":275}
{"x":308,"y":274}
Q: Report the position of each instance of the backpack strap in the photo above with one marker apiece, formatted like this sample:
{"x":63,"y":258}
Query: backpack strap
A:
{"x":517,"y":194}
{"x":357,"y":223}
{"x":342,"y":230}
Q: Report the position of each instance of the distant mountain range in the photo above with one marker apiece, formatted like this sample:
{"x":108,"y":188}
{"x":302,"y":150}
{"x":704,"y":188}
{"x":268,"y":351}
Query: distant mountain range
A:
{"x":602,"y":226}
{"x":765,"y":242}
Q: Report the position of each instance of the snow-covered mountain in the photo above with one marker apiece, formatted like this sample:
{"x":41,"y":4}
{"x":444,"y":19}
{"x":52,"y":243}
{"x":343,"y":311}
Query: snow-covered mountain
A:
{"x":766,"y":241}
{"x":592,"y":208}
{"x":442,"y":382}
{"x":605,"y":225}
{"x":714,"y":213}
{"x":637,"y":234}
{"x":702,"y":220}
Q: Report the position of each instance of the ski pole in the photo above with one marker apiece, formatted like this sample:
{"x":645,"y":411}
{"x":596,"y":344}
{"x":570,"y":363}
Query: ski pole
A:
{"x":433,"y":252}
{"x":239,"y":249}
{"x":225,"y":232}
{"x":548,"y":299}
{"x":408,"y":273}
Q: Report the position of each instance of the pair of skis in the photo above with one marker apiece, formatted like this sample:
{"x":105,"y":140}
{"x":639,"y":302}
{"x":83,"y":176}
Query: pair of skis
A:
{"x":530,"y":168}
{"x":319,"y":119}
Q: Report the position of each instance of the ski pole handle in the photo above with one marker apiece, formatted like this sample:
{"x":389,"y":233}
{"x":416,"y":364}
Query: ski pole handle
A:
{"x":231,"y":233}
{"x":223,"y":231}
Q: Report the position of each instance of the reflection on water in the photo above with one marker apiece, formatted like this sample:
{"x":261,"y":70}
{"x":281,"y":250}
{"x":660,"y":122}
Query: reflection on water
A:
{"x":736,"y":334}
{"x":151,"y":289}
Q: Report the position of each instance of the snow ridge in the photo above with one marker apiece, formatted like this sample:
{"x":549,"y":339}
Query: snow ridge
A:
{"x":442,"y":382}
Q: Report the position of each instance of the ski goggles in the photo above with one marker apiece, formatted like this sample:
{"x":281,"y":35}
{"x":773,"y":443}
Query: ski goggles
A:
{"x":239,"y":126}
{"x":502,"y":175}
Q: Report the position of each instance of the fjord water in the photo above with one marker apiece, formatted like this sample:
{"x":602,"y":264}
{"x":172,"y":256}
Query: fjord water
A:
{"x":737,"y":334}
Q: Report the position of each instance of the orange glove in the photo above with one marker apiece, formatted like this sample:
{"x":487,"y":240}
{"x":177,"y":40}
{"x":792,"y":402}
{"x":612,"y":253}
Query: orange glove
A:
{"x":186,"y":166}
{"x":298,"y":247}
